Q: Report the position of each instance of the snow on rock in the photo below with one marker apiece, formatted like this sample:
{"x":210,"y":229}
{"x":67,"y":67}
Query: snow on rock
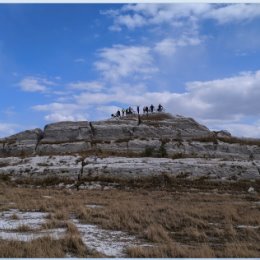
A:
{"x":251,"y":190}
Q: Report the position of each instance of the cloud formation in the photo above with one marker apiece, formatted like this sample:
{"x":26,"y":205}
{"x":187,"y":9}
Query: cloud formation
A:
{"x":134,"y":16}
{"x":121,"y":61}
{"x":62,"y":112}
{"x":168,"y":46}
{"x":35,"y":84}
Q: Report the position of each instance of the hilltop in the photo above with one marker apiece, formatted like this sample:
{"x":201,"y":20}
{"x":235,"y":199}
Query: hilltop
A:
{"x":128,"y":148}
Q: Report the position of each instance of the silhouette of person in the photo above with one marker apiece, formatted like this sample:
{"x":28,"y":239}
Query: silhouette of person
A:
{"x":151,"y":108}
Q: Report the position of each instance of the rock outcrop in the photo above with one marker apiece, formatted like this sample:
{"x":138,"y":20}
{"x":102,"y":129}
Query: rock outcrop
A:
{"x":161,"y":143}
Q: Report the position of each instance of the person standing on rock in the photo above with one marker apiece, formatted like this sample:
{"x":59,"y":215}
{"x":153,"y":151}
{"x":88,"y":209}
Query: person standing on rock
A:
{"x":160,"y":108}
{"x":123,"y":111}
{"x":152,"y":108}
{"x":146,"y":110}
{"x":138,"y":110}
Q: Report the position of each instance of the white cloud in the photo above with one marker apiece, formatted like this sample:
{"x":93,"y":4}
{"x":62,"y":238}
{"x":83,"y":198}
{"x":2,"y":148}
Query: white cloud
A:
{"x":229,"y":97}
{"x":35,"y":84}
{"x":106,"y":111}
{"x":233,"y":13}
{"x":56,"y":107}
{"x":7,"y":129}
{"x":238,"y":129}
{"x":62,"y":112}
{"x":138,"y":15}
{"x":168,"y":46}
{"x":131,"y":22}
{"x":57,"y":117}
{"x":94,"y":86}
{"x":122,"y":61}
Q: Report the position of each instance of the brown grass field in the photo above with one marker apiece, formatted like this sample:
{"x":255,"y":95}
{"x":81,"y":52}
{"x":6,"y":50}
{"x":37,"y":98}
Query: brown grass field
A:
{"x":180,"y":219}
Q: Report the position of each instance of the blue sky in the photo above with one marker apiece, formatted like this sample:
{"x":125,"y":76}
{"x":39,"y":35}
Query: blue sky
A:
{"x":84,"y":61}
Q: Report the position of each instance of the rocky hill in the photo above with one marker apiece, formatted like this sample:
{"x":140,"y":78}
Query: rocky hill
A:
{"x":130,"y":148}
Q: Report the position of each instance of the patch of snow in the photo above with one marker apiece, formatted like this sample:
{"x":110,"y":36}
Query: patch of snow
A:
{"x":93,"y":206}
{"x":108,"y":242}
{"x":248,"y":226}
{"x":28,"y":236}
{"x":31,"y":219}
{"x":47,"y":197}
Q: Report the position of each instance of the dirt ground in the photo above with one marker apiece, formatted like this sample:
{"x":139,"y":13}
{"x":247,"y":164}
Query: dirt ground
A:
{"x":179,"y":218}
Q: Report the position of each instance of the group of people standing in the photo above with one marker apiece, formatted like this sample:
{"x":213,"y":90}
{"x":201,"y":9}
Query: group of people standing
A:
{"x":129,"y":110}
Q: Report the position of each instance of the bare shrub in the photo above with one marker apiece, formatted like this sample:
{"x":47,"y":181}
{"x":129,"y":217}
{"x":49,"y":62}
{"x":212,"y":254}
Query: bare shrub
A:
{"x":71,"y":228}
{"x":157,"y":233}
{"x":74,"y":245}
{"x":14,"y":217}
{"x":23,"y":228}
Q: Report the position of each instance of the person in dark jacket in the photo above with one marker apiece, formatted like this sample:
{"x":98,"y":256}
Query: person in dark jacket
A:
{"x":160,"y":108}
{"x":152,"y":108}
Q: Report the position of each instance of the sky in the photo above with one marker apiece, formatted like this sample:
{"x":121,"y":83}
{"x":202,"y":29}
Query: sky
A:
{"x":71,"y":62}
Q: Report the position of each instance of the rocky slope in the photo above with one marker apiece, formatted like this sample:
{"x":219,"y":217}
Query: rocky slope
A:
{"x":127,"y":148}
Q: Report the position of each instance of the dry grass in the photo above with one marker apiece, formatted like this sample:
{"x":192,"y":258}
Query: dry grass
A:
{"x":42,"y":247}
{"x":23,"y":228}
{"x":172,"y":250}
{"x":187,"y":219}
{"x":46,"y":247}
{"x":156,"y":233}
{"x":14,"y":217}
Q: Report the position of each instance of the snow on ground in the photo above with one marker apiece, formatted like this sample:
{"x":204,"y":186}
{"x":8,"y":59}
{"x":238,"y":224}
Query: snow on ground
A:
{"x":108,"y":242}
{"x":248,"y":226}
{"x":14,"y":218}
{"x":94,"y":206}
{"x":28,"y":236}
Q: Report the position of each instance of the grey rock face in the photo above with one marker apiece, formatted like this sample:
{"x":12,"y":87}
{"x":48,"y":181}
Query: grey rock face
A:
{"x":158,"y":135}
{"x":189,"y":148}
{"x":63,"y":132}
{"x":71,"y":167}
{"x":24,"y":143}
{"x":115,"y":135}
